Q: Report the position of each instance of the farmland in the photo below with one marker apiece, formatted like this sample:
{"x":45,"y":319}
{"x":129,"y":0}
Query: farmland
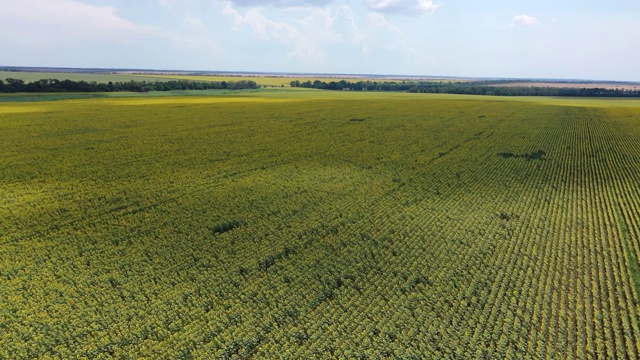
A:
{"x":262,"y":80}
{"x":266,"y":81}
{"x":30,"y":76}
{"x":310,"y":224}
{"x":604,"y":85}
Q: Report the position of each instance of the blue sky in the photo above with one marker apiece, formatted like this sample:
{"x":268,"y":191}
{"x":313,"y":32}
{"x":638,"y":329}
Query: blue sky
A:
{"x":578,"y":39}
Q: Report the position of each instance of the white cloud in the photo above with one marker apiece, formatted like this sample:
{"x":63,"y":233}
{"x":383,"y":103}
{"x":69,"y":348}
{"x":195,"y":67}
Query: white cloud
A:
{"x":38,"y":26}
{"x":379,"y":20}
{"x":73,"y":19}
{"x":267,"y":29}
{"x":319,"y":25}
{"x":524,"y":20}
{"x":317,"y":36}
{"x":403,"y":7}
{"x":386,"y":37}
{"x":261,"y":26}
{"x":173,"y":4}
{"x":281,"y":3}
{"x":350,"y":21}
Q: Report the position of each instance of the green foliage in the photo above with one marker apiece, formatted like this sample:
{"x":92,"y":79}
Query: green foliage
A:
{"x":12,"y":85}
{"x":270,"y":225}
{"x":487,"y":87}
{"x":30,"y":76}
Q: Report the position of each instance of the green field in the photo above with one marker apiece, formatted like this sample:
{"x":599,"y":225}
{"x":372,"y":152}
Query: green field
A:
{"x":270,"y":81}
{"x":310,"y":224}
{"x":38,"y":97}
{"x":30,"y":76}
{"x":267,"y":81}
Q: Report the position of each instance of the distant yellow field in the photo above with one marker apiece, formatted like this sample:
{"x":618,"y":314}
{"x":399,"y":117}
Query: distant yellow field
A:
{"x":271,"y":81}
{"x":260,"y":80}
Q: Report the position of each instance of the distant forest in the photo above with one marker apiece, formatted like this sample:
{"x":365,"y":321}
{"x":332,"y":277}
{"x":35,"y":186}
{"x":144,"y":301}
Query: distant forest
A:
{"x":52,"y":85}
{"x":467,"y":88}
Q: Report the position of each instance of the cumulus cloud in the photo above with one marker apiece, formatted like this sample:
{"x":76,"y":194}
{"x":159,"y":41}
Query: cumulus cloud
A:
{"x":350,"y":20}
{"x":525,"y":20}
{"x":383,"y":36}
{"x":380,"y":21}
{"x":174,"y":4}
{"x":321,"y":35}
{"x":76,"y":20}
{"x":267,"y":29}
{"x":281,"y":3}
{"x":262,"y":26}
{"x":39,"y":24}
{"x":403,"y":7}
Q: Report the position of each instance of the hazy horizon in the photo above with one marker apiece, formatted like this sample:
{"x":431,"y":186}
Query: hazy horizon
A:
{"x":584,"y":40}
{"x":89,"y":70}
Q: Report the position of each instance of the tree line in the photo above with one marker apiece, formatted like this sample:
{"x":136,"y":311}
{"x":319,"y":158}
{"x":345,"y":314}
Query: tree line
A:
{"x":11,"y":85}
{"x":466,"y":88}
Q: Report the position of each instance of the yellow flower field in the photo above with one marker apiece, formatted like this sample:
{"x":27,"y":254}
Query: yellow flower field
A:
{"x":323,"y":225}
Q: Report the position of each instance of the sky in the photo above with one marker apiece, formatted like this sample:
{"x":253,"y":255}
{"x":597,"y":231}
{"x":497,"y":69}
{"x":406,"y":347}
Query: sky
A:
{"x":568,"y":39}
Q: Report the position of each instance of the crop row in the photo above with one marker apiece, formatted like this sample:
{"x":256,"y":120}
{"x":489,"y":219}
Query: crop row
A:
{"x":266,"y":229}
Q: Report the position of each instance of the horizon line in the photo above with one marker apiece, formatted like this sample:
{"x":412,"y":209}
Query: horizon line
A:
{"x":10,"y":68}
